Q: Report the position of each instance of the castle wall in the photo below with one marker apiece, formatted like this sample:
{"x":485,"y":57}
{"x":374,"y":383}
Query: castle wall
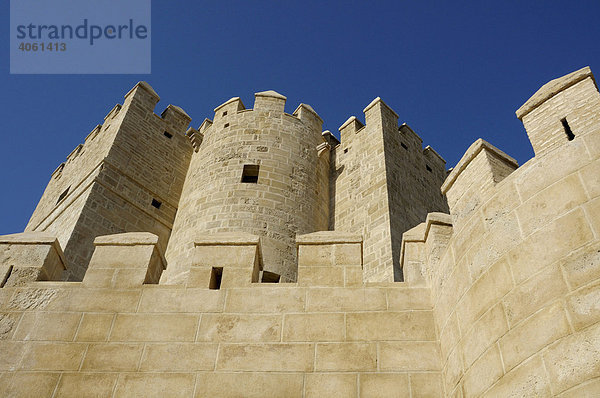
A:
{"x":515,"y":292}
{"x":289,"y":197}
{"x":114,"y":177}
{"x":384,"y":184}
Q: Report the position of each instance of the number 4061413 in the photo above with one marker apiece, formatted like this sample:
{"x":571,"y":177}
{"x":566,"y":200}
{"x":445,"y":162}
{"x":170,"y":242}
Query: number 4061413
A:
{"x":43,"y":47}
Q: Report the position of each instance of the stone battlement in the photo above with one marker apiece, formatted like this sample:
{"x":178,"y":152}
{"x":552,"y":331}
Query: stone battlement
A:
{"x":498,"y":291}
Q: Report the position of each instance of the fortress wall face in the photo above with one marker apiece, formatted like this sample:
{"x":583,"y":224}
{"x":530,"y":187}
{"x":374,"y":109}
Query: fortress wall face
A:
{"x":289,"y":196}
{"x":515,"y":293}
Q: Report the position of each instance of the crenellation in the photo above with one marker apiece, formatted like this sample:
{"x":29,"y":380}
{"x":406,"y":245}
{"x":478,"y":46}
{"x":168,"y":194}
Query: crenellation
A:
{"x":299,"y":265}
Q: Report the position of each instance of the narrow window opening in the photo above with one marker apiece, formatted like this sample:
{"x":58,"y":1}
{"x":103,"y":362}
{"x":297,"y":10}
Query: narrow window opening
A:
{"x":250,"y":173}
{"x":62,"y":195}
{"x":168,"y":135}
{"x":216,"y":274}
{"x":226,"y":125}
{"x":156,"y":203}
{"x":270,"y":277}
{"x":225,"y":113}
{"x":568,"y":132}
{"x":404,"y":145}
{"x":428,"y":168}
{"x":346,"y":150}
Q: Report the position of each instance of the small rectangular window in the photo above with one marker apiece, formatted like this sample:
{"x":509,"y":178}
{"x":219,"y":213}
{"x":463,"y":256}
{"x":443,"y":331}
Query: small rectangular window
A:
{"x":168,"y":135}
{"x":270,"y":277}
{"x":403,"y":145}
{"x":62,"y":195}
{"x":428,"y":168}
{"x":250,"y":173}
{"x":568,"y":132}
{"x":216,"y":274}
{"x":156,"y":203}
{"x":226,"y":125}
{"x":225,"y":113}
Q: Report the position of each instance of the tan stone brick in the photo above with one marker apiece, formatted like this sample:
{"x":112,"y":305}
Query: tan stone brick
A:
{"x":449,"y":336}
{"x":265,"y":299}
{"x":483,"y":373}
{"x":453,"y":369}
{"x":315,"y":256}
{"x":426,"y":385}
{"x":288,"y":357}
{"x":583,"y":265}
{"x":529,"y":257}
{"x":95,"y":300}
{"x":238,"y":328}
{"x":573,"y":359}
{"x":112,"y":357}
{"x":249,"y":385}
{"x":179,"y":357}
{"x":534,"y":293}
{"x":11,"y":353}
{"x":94,"y":327}
{"x":177,"y":299}
{"x":146,"y":327}
{"x":484,"y":333}
{"x":47,"y":326}
{"x":484,"y":293}
{"x":405,"y":325}
{"x":352,"y":299}
{"x":26,"y":385}
{"x":526,"y":380}
{"x":549,"y":203}
{"x":534,"y":333}
{"x":590,"y":176}
{"x":384,"y":385}
{"x":346,"y":357}
{"x":86,"y":385}
{"x":330,"y":384}
{"x":592,"y":210}
{"x":314,"y":327}
{"x":155,"y":385}
{"x":407,"y":298}
{"x":409,"y":356}
{"x":320,"y":276}
{"x":588,"y":389}
{"x":584,"y":306}
{"x":53,"y":356}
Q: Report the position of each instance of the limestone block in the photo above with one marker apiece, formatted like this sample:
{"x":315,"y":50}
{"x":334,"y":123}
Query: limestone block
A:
{"x":384,"y":385}
{"x":582,"y":265}
{"x":164,"y":298}
{"x":590,"y":176}
{"x":155,"y":385}
{"x":584,"y":306}
{"x":409,"y":356}
{"x":48,"y":326}
{"x":94,"y":327}
{"x":86,"y":385}
{"x":9,"y":350}
{"x":31,"y":384}
{"x":526,"y":380}
{"x":533,"y":334}
{"x":53,"y":356}
{"x":269,"y":101}
{"x":281,"y":357}
{"x":250,"y":385}
{"x":346,"y":357}
{"x":587,"y":389}
{"x":29,"y":257}
{"x":235,"y":258}
{"x":330,"y":385}
{"x":172,"y":357}
{"x":239,"y":328}
{"x":314,"y":327}
{"x":426,"y":385}
{"x":112,"y":357}
{"x":483,"y":373}
{"x":404,"y":325}
{"x":345,"y":299}
{"x":151,"y":327}
{"x":449,"y":336}
{"x":265,"y":299}
{"x":485,"y":332}
{"x":125,"y":260}
{"x":573,"y":359}
{"x":91,"y":300}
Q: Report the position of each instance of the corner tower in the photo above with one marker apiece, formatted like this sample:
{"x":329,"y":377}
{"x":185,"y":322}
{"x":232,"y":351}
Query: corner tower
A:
{"x":260,"y":171}
{"x":383,"y":183}
{"x":126,"y":177}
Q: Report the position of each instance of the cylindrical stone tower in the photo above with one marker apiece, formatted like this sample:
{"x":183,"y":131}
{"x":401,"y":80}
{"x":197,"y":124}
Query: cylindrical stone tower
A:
{"x":260,"y":171}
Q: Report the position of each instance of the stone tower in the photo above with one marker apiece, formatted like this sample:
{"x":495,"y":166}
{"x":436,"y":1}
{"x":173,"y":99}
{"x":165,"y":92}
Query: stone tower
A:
{"x":383,"y":183}
{"x":127,"y":176}
{"x":260,"y":171}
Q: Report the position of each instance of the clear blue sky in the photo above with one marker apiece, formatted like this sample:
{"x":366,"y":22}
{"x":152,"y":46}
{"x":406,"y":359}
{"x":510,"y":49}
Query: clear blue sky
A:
{"x":454,"y":71}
